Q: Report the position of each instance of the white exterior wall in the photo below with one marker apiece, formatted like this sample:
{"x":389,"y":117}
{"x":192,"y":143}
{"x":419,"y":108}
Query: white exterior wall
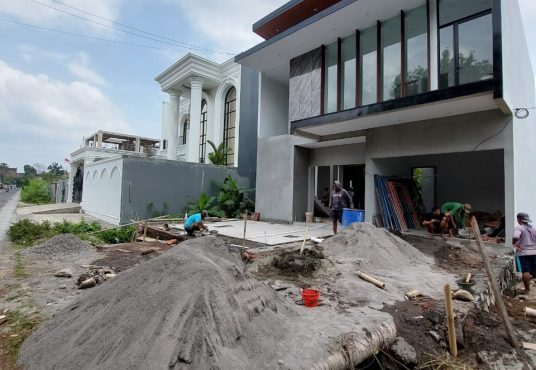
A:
{"x":518,"y":92}
{"x":101,"y":197}
{"x":273,"y":107}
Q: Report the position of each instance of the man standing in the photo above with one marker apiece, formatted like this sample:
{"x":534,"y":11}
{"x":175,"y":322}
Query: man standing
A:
{"x":455,"y":214}
{"x":436,"y":222}
{"x":524,"y":242}
{"x":195,"y":222}
{"x":339,"y":200}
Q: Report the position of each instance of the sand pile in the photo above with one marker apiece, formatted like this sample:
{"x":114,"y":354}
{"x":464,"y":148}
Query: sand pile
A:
{"x":374,"y":248}
{"x":60,"y":246}
{"x":193,"y":307}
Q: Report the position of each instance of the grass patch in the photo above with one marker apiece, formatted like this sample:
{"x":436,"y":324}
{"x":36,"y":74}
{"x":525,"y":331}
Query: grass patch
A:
{"x":26,"y":233}
{"x":20,"y":326}
{"x":19,"y":269}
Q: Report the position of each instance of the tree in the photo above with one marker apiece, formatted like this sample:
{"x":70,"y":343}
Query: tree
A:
{"x":3,"y":171}
{"x":39,"y":167}
{"x":219,"y":154}
{"x":55,"y":169}
{"x":29,"y":170}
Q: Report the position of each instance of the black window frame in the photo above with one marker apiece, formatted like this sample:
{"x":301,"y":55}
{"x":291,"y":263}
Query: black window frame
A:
{"x":456,"y":42}
{"x":227,"y":128}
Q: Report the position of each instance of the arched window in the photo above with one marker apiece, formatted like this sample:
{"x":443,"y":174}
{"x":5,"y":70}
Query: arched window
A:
{"x":203,"y":136}
{"x":229,"y":124}
{"x":182,"y":139}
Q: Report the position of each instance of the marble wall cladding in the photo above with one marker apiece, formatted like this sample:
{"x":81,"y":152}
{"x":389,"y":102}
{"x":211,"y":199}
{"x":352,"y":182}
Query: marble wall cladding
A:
{"x":304,"y":85}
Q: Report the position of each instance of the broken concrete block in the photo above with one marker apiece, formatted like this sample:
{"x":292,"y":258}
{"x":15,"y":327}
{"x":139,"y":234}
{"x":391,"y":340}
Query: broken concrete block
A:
{"x":66,"y":273}
{"x":88,"y":283}
{"x":109,"y":275}
{"x":3,"y":319}
{"x":404,"y":351}
{"x":62,"y":287}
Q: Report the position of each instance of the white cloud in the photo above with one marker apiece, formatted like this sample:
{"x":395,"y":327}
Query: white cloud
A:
{"x":80,"y":68}
{"x":31,"y":11}
{"x":52,"y":111}
{"x":227,"y":23}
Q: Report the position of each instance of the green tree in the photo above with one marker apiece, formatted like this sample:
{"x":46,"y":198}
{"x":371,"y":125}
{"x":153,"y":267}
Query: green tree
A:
{"x":36,"y":191}
{"x":56,"y":169}
{"x":29,"y":170}
{"x":3,"y":171}
{"x":219,"y":154}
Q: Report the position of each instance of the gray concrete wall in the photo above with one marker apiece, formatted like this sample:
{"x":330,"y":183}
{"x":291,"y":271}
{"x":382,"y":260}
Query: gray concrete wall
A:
{"x":273,"y":115}
{"x":339,"y":155}
{"x":301,"y":183}
{"x":156,"y":186}
{"x":249,"y":113}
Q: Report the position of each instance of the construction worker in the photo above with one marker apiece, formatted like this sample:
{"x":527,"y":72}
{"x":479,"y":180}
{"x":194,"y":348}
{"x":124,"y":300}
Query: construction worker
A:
{"x":455,"y":215}
{"x":524,"y":241}
{"x":195,"y":222}
{"x":338,"y":201}
{"x":435,"y":222}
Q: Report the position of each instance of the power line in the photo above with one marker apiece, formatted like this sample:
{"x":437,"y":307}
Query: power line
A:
{"x":87,"y":36}
{"x":190,"y":47}
{"x":134,"y":28}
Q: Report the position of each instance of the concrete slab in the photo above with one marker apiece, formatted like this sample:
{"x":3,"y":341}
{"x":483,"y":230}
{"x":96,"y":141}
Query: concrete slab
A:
{"x":49,"y":209}
{"x":271,"y":233}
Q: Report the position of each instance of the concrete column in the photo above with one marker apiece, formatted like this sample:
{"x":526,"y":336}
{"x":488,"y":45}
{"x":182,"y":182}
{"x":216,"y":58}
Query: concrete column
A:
{"x":164,"y":130}
{"x":434,"y":73}
{"x":99,"y":139}
{"x":196,"y":92}
{"x":137,"y":145}
{"x":72,"y":172}
{"x":173,"y":124}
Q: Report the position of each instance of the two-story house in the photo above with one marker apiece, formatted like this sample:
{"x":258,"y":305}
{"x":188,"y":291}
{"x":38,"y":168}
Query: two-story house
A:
{"x":351,"y":89}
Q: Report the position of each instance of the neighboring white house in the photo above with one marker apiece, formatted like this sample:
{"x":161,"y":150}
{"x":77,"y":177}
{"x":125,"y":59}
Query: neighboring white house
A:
{"x":380,"y":87}
{"x":204,"y":105}
{"x":118,"y":177}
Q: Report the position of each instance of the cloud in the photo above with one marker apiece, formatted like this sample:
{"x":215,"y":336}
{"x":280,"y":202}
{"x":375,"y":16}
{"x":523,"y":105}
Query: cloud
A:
{"x":227,"y":23}
{"x":80,"y":68}
{"x":31,"y":11}
{"x":52,"y":111}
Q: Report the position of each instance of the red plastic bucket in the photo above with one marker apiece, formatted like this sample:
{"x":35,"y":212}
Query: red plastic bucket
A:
{"x":310,"y":297}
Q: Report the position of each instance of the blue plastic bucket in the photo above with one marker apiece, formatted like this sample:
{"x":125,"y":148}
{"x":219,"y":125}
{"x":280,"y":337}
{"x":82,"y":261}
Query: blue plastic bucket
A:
{"x":349,"y":216}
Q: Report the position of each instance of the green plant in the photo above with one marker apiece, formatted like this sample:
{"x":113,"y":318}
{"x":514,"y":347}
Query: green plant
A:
{"x":79,"y":228}
{"x":118,"y":235}
{"x":36,"y":191}
{"x":232,"y":199}
{"x":218,"y":156}
{"x":205,"y":203}
{"x":25,"y":232}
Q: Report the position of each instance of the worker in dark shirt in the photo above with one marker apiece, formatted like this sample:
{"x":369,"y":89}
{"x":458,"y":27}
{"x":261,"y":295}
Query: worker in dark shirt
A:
{"x":435,"y":222}
{"x":339,"y":200}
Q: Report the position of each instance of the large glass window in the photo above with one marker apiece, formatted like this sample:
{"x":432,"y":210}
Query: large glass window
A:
{"x":368,"y":70}
{"x":475,"y":49}
{"x":416,"y":33}
{"x":330,"y":78}
{"x":453,"y":10}
{"x":348,"y":83}
{"x":391,"y":58}
{"x":465,"y":42}
{"x":203,"y":135}
{"x":229,"y":124}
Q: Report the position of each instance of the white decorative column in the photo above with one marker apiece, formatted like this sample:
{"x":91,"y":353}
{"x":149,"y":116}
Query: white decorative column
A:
{"x":99,"y":139}
{"x":196,"y":92}
{"x":173,"y":124}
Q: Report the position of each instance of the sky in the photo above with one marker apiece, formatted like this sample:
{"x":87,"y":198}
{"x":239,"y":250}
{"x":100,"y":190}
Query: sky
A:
{"x":56,"y":88}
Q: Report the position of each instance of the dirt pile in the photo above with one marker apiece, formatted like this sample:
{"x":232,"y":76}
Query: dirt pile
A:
{"x":193,"y":307}
{"x":60,"y":246}
{"x":374,"y":248}
{"x":292,"y":262}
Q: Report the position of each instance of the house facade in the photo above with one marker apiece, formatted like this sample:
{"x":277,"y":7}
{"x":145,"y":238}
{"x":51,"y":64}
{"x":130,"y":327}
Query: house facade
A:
{"x":352,"y":89}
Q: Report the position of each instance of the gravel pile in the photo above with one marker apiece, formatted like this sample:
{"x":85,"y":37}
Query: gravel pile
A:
{"x":60,"y":246}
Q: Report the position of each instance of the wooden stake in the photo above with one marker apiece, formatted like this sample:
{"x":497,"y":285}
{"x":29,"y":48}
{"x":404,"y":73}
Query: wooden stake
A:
{"x":245,"y":224}
{"x":370,"y":279}
{"x":493,"y":283}
{"x":145,"y":230}
{"x":530,"y":312}
{"x":468,"y":278}
{"x":450,"y":321}
{"x":304,"y":239}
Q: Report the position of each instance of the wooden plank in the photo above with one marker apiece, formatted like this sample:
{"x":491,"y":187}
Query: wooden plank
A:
{"x":450,"y":321}
{"x":528,"y":345}
{"x":493,"y":283}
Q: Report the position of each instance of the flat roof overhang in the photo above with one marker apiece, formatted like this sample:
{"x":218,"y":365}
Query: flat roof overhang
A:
{"x":288,"y":15}
{"x":470,"y":98}
{"x":273,"y":56}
